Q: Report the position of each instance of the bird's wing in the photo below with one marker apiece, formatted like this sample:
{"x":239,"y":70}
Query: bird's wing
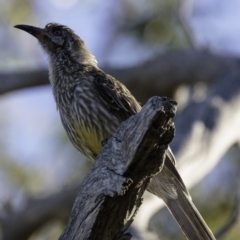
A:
{"x":115,"y":96}
{"x":121,"y":102}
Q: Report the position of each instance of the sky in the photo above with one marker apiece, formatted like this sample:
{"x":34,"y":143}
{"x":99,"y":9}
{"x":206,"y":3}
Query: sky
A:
{"x":216,"y":25}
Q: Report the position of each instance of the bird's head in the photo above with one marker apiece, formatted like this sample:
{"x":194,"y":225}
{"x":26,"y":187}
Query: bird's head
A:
{"x":56,"y":38}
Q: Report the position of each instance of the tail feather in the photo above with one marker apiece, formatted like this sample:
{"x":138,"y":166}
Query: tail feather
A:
{"x":188,"y":218}
{"x":169,"y":186}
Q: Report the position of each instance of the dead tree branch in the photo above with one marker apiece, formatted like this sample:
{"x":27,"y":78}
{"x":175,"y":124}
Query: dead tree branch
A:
{"x":112,"y":191}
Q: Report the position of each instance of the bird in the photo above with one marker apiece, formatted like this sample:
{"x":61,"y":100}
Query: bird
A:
{"x":92,"y":104}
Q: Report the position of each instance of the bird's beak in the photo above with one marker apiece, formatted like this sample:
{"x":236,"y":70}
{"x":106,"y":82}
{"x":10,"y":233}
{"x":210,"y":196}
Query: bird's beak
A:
{"x":36,"y":32}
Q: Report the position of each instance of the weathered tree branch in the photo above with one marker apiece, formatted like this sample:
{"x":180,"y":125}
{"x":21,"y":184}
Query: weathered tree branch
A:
{"x":112,"y":191}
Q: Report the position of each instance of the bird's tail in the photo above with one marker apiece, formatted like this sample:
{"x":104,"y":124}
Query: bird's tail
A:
{"x":169,"y":186}
{"x":188,"y":218}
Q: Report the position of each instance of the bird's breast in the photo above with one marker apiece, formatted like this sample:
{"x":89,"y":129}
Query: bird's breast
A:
{"x":88,"y":121}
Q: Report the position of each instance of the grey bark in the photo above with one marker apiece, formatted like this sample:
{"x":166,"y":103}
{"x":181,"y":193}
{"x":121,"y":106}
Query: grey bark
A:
{"x":111,"y":193}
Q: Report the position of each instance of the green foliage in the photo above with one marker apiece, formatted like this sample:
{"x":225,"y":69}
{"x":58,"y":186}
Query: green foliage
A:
{"x":20,"y":176}
{"x":13,"y":10}
{"x":157,"y":22}
{"x":51,"y":230}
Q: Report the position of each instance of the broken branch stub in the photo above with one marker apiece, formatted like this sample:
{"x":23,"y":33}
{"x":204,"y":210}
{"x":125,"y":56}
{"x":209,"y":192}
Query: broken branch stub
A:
{"x":111,"y":193}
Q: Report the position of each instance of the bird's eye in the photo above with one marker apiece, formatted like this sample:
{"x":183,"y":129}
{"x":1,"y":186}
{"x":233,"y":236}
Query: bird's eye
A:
{"x":57,"y":33}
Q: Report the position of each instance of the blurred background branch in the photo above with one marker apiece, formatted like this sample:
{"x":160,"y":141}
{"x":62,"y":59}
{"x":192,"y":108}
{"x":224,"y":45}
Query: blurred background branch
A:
{"x":36,"y":213}
{"x":161,"y":75}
